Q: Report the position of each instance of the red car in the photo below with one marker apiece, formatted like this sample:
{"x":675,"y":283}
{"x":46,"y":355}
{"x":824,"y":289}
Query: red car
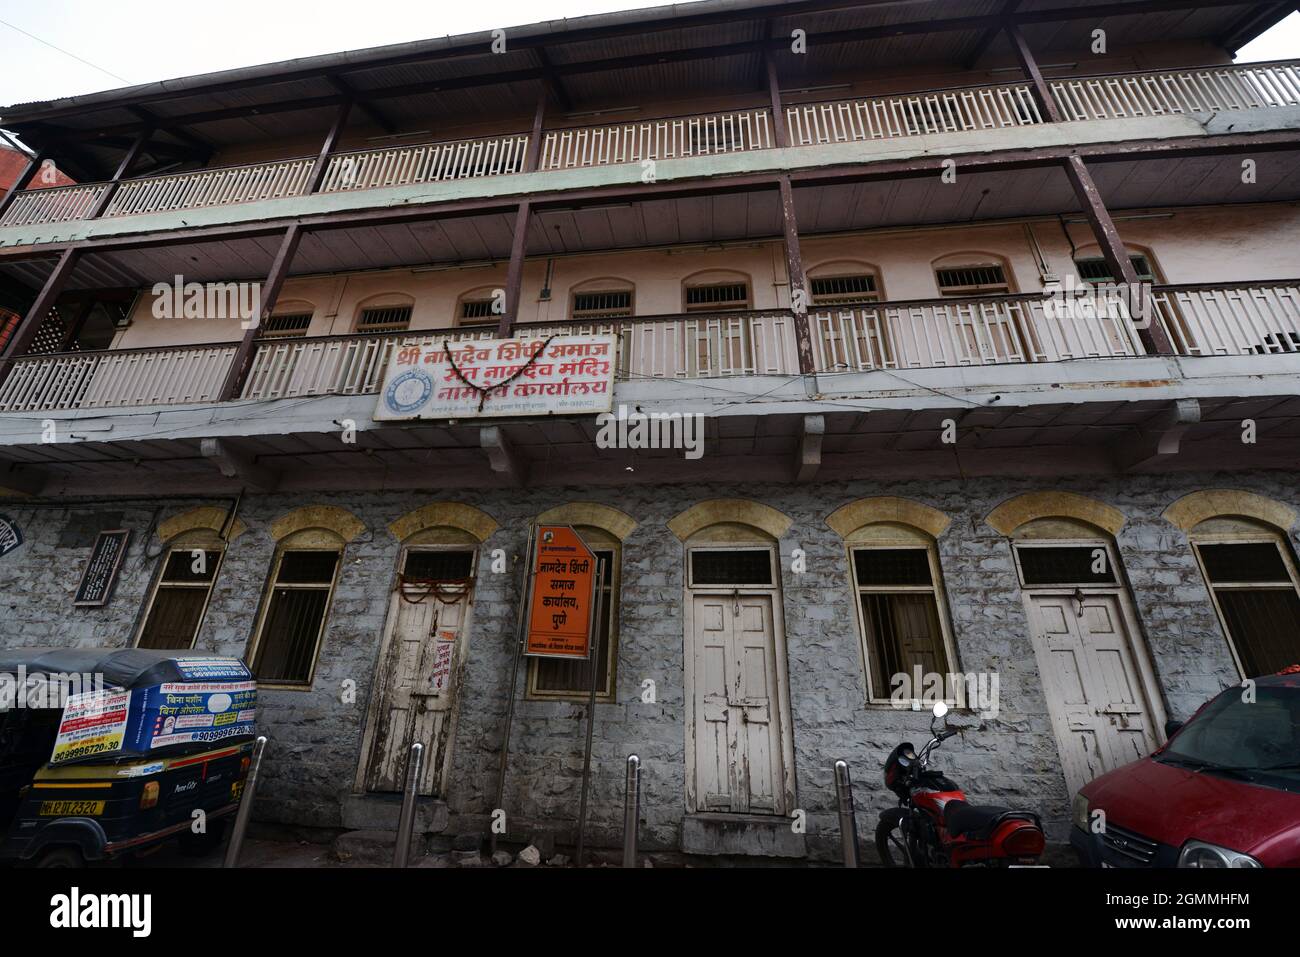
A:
{"x":1224,"y":791}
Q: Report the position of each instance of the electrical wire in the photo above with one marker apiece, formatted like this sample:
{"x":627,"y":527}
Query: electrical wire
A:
{"x":67,"y":53}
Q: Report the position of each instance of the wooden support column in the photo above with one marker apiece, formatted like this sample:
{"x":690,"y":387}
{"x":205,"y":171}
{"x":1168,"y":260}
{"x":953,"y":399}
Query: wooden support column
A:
{"x":1085,"y":189}
{"x":779,"y":130}
{"x":331,"y":141}
{"x":1149,"y":330}
{"x":1042,"y":92}
{"x":33,"y":164}
{"x":515,"y":271}
{"x":798,"y":281}
{"x":243,"y":360}
{"x":22,"y":338}
{"x":123,"y":169}
{"x":534,"y":155}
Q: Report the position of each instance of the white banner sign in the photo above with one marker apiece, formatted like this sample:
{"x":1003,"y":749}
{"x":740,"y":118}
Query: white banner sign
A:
{"x":569,"y":375}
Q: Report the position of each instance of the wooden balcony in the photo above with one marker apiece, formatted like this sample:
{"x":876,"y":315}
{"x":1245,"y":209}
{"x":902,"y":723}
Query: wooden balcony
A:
{"x":1201,"y":320}
{"x":956,"y":110}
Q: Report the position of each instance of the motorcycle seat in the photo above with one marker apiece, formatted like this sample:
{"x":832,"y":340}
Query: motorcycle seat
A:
{"x":977,"y":821}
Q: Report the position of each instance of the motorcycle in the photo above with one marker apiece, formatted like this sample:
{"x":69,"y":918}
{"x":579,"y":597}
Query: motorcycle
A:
{"x":934,"y":826}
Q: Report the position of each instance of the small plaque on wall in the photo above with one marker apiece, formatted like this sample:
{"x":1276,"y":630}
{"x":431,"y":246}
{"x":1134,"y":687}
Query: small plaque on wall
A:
{"x":97,"y":581}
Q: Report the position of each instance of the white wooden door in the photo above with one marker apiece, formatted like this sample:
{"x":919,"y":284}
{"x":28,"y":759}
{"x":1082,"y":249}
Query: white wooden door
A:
{"x":416,"y":690}
{"x":738,"y":763}
{"x":1094,"y":688}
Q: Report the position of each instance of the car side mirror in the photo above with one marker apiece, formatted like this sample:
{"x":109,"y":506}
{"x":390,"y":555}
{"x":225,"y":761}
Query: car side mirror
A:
{"x":1172,"y":727}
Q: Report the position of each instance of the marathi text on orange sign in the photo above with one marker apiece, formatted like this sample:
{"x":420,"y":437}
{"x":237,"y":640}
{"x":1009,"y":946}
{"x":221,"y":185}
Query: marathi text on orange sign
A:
{"x":564,"y":589}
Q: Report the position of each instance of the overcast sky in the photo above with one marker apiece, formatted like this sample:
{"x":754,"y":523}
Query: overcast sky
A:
{"x":137,"y":41}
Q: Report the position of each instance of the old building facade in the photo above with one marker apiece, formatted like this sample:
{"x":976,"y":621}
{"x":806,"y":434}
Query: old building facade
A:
{"x":840,"y":235}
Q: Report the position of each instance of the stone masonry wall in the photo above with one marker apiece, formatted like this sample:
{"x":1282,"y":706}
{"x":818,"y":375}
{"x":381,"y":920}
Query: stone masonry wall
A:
{"x":316,"y":737}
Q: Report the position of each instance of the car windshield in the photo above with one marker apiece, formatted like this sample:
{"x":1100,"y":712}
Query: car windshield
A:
{"x":1252,"y":738}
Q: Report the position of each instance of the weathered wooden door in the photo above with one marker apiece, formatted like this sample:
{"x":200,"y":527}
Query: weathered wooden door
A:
{"x":1094,"y":689}
{"x":738,"y":756}
{"x":415,"y":689}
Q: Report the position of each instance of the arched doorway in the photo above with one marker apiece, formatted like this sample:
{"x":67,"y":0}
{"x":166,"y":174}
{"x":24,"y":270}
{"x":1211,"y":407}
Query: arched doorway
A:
{"x":1101,"y":690}
{"x":739,"y":750}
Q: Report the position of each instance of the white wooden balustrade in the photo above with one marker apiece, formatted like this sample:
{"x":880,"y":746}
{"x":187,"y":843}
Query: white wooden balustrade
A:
{"x":425,"y":163}
{"x":211,"y":187}
{"x":53,"y":204}
{"x":1231,"y":320}
{"x":125,"y":377}
{"x":1245,"y":319}
{"x":967,"y":332}
{"x":670,"y":138}
{"x":886,"y":117}
{"x":1248,"y":87}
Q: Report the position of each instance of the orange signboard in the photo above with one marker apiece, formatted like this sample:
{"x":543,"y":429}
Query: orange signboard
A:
{"x":563,"y":595}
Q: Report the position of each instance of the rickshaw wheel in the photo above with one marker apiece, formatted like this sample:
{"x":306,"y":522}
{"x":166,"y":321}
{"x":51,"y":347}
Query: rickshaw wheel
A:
{"x":61,"y":857}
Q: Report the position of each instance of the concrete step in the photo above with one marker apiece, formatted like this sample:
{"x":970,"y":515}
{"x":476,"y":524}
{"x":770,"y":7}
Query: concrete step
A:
{"x":749,"y":835}
{"x":373,"y":848}
{"x":380,"y":812}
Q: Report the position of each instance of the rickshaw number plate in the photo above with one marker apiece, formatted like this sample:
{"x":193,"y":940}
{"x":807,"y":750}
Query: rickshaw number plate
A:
{"x":69,"y":808}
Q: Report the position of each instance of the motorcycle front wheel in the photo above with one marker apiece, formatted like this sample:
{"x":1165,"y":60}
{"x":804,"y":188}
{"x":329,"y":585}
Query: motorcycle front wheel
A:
{"x":891,"y":840}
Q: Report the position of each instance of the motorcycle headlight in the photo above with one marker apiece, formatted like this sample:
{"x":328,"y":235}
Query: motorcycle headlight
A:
{"x":1079,"y":811}
{"x":1201,"y":854}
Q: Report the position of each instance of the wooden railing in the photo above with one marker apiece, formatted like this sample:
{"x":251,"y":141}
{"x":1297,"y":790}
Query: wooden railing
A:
{"x":1201,"y":320}
{"x":960,"y":109}
{"x":211,"y":187}
{"x":53,"y":204}
{"x":886,"y":117}
{"x":1212,"y":89}
{"x":964,"y":332}
{"x":425,"y":163}
{"x":176,"y":375}
{"x":668,"y":138}
{"x":1231,"y":320}
{"x":666,"y":347}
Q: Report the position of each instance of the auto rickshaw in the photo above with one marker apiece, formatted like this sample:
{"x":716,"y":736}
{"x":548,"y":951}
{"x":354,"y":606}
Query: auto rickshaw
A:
{"x":106,"y":753}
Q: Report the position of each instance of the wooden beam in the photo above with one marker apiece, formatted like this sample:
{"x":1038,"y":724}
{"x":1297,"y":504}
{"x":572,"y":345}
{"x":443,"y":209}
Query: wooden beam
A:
{"x":17,"y":478}
{"x":243,"y":359}
{"x":123,"y":169}
{"x":535,"y":137}
{"x":34,"y":161}
{"x":551,"y":80}
{"x":1160,"y":439}
{"x":1042,"y":92}
{"x":501,"y":454}
{"x":371,"y":110}
{"x":1113,"y":251}
{"x":782,"y":135}
{"x":515,"y":271}
{"x":809,"y":459}
{"x":233,"y":463}
{"x":327,"y":147}
{"x":798,"y":281}
{"x":920,"y":27}
{"x":986,"y":40}
{"x":22,"y":338}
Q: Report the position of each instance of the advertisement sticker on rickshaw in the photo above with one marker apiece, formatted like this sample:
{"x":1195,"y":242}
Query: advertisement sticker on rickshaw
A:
{"x":134,"y":723}
{"x":94,"y":723}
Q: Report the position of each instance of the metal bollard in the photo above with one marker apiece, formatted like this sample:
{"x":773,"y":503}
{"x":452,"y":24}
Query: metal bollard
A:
{"x":245,"y":806}
{"x":848,"y":821}
{"x":406,"y":822}
{"x":631,"y":809}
